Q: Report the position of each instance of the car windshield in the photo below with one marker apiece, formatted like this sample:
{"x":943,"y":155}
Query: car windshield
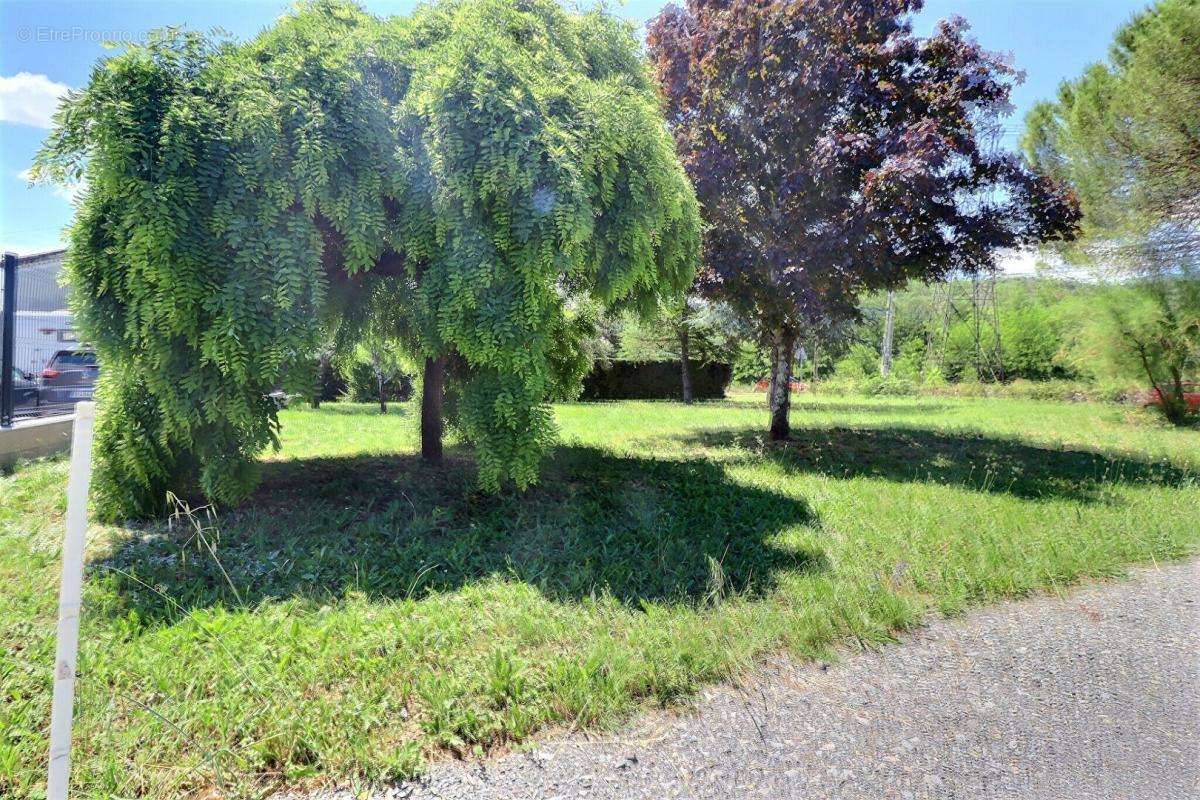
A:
{"x":79,"y":358}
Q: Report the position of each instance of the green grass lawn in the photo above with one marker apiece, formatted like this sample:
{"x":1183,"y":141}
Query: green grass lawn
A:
{"x":366,"y":613}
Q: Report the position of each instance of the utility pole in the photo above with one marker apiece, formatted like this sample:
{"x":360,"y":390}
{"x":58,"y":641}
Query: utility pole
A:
{"x":889,"y":324}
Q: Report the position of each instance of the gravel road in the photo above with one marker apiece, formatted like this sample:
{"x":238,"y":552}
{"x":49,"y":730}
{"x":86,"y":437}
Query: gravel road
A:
{"x":1095,"y":695}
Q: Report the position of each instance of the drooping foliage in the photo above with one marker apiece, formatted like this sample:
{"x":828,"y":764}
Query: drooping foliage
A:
{"x":478,"y":165}
{"x":835,"y":152}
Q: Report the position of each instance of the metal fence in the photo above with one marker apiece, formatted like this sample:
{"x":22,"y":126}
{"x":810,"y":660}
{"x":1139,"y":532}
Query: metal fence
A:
{"x":44,"y":368}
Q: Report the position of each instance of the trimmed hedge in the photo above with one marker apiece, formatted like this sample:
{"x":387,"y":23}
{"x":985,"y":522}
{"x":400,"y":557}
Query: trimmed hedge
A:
{"x":654,"y":380}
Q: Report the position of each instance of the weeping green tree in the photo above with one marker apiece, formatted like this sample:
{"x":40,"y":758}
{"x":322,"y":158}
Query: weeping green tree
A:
{"x":466,"y":175}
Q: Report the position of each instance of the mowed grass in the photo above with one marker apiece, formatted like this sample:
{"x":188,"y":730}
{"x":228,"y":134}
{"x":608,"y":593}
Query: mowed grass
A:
{"x":364,"y":613}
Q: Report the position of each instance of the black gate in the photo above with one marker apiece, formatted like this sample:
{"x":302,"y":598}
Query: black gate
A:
{"x":44,"y":368}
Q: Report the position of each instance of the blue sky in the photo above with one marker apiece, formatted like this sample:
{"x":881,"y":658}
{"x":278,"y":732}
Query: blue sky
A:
{"x":48,"y":45}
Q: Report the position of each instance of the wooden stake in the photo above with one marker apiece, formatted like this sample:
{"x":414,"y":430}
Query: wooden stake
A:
{"x":70,"y":601}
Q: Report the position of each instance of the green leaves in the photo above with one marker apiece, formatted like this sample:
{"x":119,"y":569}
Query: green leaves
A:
{"x":484,"y":161}
{"x":1124,"y":132}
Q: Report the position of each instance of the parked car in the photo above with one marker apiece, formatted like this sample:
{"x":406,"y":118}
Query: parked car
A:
{"x":26,"y":395}
{"x":69,"y":376}
{"x":1191,"y":396}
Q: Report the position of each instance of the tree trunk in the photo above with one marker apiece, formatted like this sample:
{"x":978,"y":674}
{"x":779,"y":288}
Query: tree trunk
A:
{"x":1176,"y":407}
{"x":685,"y":368}
{"x":781,"y":383}
{"x":382,"y":397}
{"x":432,"y":395}
{"x":1177,"y":382}
{"x":322,"y":368}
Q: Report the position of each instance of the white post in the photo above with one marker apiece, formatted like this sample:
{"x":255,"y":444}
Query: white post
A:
{"x":70,"y":601}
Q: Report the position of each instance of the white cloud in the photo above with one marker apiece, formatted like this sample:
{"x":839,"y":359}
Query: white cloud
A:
{"x":1043,"y":263}
{"x":29,"y":99}
{"x":1018,"y":262}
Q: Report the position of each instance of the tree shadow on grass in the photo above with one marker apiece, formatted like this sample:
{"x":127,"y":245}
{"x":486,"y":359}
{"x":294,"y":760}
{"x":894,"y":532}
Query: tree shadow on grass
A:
{"x":817,"y":406}
{"x":969,"y":460}
{"x":349,"y":409}
{"x":836,"y":407}
{"x":638,"y":529}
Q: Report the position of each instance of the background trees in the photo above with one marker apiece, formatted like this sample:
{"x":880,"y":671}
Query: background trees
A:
{"x":1126,"y":134}
{"x":482,"y":162}
{"x":833,"y":152}
{"x":1034,"y":322}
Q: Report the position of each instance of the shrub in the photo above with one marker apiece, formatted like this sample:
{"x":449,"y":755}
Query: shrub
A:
{"x":751,"y":362}
{"x":931,"y":384}
{"x":362,"y":385}
{"x":909,"y":360}
{"x":838,"y":386}
{"x":654,"y":380}
{"x":891,"y":386}
{"x":861,"y":361}
{"x":1031,"y":339}
{"x":331,"y":383}
{"x":1146,"y":331}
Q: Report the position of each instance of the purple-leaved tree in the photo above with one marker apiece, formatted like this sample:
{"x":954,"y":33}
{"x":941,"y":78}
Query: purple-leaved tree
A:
{"x":834,"y":152}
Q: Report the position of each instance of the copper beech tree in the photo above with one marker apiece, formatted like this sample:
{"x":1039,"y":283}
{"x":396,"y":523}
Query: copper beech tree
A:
{"x":835,"y":152}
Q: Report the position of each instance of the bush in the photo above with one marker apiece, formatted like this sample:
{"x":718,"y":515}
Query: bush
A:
{"x":751,"y":362}
{"x":331,"y":383}
{"x":891,"y":386}
{"x":654,"y":380}
{"x":837,"y":386}
{"x":861,"y":361}
{"x":909,"y":361}
{"x":362,"y":385}
{"x":933,"y":385}
{"x":1061,"y":390}
{"x":1030,"y":338}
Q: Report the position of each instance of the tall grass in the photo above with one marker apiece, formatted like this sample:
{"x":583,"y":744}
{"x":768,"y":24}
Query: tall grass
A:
{"x":365,"y":613}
